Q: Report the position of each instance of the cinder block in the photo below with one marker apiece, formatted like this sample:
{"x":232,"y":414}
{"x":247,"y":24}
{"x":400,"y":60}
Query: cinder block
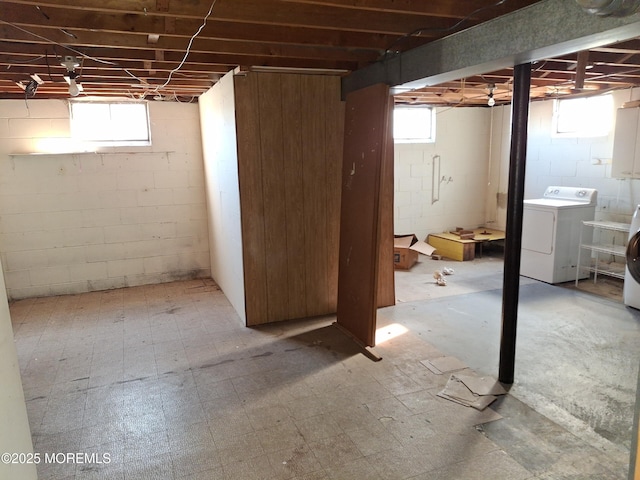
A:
{"x":29,"y":127}
{"x":118,"y":199}
{"x":25,"y":260}
{"x":17,"y":204}
{"x":122,"y":233}
{"x":17,"y":242}
{"x":61,"y":219}
{"x":135,"y":180}
{"x":171,"y":179}
{"x":161,"y":264}
{"x":152,"y":231}
{"x":155,"y":197}
{"x":71,"y":288}
{"x":101,"y":217}
{"x":97,"y":182}
{"x":132,"y":215}
{"x":84,"y":236}
{"x":143,"y":162}
{"x":28,"y":292}
{"x":121,"y":268}
{"x":145,"y":248}
{"x":17,"y":278}
{"x":198,"y":212}
{"x":75,"y":201}
{"x":196,"y":178}
{"x":49,"y":275}
{"x":104,"y":252}
{"x":39,"y":108}
{"x":60,"y":127}
{"x":66,"y":256}
{"x":4,"y":128}
{"x":165,"y":213}
{"x":88,"y":271}
{"x":25,"y":222}
{"x":186,"y":196}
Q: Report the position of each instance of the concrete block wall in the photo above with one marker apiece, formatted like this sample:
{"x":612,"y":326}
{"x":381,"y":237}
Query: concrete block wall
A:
{"x":575,"y":162}
{"x":579,"y":162}
{"x":126,"y":216}
{"x":462,"y":145}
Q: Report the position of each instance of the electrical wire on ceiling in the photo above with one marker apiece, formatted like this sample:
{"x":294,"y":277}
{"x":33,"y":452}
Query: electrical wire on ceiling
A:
{"x":107,"y":62}
{"x":71,"y":49}
{"x":186,"y":54}
{"x":451,"y":28}
{"x":25,"y":62}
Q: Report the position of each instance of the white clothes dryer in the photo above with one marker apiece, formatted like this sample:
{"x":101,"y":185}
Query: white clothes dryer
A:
{"x":631,"y":290}
{"x":551,"y":232}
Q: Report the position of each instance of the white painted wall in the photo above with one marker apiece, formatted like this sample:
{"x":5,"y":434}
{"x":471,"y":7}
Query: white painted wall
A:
{"x":217,"y":118}
{"x":463,"y":146}
{"x":479,"y":169}
{"x":571,"y":161}
{"x":15,"y":435}
{"x":562,"y":161}
{"x":73,"y":223}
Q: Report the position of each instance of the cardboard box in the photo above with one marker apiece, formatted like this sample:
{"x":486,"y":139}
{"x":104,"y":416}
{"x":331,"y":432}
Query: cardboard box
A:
{"x":406,"y":249}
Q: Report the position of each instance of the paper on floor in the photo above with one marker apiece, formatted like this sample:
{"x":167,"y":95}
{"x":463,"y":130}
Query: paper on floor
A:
{"x":476,"y":392}
{"x":442,"y":365}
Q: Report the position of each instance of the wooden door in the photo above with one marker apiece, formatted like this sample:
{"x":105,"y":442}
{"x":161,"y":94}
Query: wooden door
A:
{"x":367,"y":154}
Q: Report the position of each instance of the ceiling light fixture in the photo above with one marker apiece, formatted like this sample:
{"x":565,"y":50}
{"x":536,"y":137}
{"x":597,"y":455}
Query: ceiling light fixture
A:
{"x":492,"y":101}
{"x":70,"y":63}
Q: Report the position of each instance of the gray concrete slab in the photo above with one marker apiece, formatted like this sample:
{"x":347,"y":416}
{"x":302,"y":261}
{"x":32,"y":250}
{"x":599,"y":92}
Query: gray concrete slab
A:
{"x":577,"y":354}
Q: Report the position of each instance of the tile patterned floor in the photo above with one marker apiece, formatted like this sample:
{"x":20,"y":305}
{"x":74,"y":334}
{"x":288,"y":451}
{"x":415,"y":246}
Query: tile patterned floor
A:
{"x":167,"y":382}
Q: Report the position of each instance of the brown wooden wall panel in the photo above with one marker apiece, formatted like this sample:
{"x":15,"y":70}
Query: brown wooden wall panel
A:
{"x":294,"y":191}
{"x":274,"y":194}
{"x":290,"y":169}
{"x":315,"y":187}
{"x":252,"y":207}
{"x":365,"y":147}
{"x":334,"y":143}
{"x":386,"y":275}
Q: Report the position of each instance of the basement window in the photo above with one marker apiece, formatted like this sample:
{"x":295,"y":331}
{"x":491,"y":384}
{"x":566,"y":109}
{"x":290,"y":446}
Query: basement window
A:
{"x":124,"y":123}
{"x":414,"y":124}
{"x":584,"y":117}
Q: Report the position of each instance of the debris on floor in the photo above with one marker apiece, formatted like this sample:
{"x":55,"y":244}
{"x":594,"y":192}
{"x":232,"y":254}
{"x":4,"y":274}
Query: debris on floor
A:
{"x":440,"y":280}
{"x":470,"y":391}
{"x":444,"y":364}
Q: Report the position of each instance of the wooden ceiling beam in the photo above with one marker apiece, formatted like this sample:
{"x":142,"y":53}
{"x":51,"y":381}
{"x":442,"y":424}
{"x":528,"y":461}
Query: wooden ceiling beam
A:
{"x":69,"y":18}
{"x":435,"y":8}
{"x":123,"y":58}
{"x":265,"y":12}
{"x":89,"y":38}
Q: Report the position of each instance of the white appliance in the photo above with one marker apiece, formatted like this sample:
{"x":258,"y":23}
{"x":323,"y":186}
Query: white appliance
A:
{"x":631,"y":291}
{"x":551,"y":232}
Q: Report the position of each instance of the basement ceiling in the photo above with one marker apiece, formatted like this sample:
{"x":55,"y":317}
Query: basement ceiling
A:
{"x":176,"y":50}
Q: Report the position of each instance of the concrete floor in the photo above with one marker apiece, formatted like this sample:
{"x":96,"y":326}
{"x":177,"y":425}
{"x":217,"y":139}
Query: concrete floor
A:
{"x":577,"y":353}
{"x":167,"y":381}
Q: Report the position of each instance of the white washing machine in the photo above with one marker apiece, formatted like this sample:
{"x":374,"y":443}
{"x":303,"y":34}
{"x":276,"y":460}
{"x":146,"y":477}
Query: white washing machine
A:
{"x":551,"y":232}
{"x":631,"y":291}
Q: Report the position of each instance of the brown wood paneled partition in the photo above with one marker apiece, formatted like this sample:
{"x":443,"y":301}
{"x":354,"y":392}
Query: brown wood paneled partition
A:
{"x":290,"y":134}
{"x":367,"y":196}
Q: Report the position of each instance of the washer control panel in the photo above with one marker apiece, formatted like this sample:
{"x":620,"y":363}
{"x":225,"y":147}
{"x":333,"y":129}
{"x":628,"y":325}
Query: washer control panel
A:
{"x":586,"y":195}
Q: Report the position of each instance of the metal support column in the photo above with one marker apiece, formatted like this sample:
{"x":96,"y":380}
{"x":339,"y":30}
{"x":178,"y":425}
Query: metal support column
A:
{"x":513,"y":240}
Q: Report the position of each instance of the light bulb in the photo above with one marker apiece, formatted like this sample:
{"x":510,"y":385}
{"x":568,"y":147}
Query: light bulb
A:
{"x":491,"y":102}
{"x":73,"y":88}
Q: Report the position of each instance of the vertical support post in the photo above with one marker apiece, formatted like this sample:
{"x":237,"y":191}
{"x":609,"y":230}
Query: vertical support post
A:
{"x":513,"y":240}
